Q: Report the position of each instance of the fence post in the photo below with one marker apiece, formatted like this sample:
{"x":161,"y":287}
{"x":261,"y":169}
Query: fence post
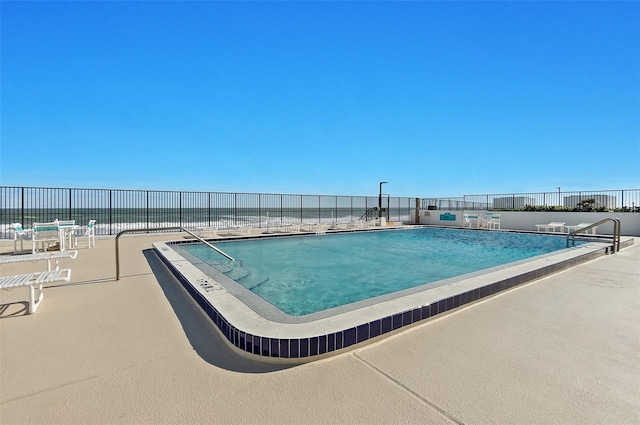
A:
{"x":259,"y":211}
{"x":180,"y":208}
{"x":69,"y":217}
{"x":22,"y":208}
{"x":147,"y":210}
{"x":110,"y":212}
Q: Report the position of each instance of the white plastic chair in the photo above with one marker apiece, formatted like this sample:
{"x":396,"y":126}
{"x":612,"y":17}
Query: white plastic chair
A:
{"x":471,"y":220}
{"x":19,"y":234}
{"x":67,"y":231}
{"x":47,"y":234}
{"x":88,"y":232}
{"x":492,"y":221}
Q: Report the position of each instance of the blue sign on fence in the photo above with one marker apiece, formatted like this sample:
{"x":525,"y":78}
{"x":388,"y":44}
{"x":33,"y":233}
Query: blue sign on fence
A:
{"x":447,"y":217}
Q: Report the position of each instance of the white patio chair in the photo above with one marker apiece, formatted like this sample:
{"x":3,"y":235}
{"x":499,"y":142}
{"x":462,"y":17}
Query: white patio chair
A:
{"x":47,"y":234}
{"x":19,"y":234}
{"x":88,"y":232}
{"x":492,"y":221}
{"x":67,"y":232}
{"x":471,"y":221}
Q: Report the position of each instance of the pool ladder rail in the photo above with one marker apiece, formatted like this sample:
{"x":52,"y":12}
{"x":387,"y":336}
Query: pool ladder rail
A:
{"x":615,"y":247}
{"x":155,"y":229}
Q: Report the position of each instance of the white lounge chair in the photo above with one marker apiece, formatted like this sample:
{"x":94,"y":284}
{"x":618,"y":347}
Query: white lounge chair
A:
{"x":33,"y":280}
{"x":47,"y":234}
{"x":357,"y":224}
{"x":285,"y":227}
{"x":296,"y":227}
{"x":19,"y":234}
{"x":337,"y":225}
{"x":373,"y":223}
{"x":581,"y":226}
{"x":308,"y":227}
{"x":207,"y":232}
{"x":317,"y":228}
{"x":5,"y":259}
{"x":239,"y":230}
{"x":88,"y":232}
{"x":551,"y":227}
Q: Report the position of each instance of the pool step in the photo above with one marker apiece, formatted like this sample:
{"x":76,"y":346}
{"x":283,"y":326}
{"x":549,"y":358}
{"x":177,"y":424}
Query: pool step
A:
{"x":255,"y":286}
{"x":235,"y":271}
{"x":238,"y":273}
{"x":222,"y":267}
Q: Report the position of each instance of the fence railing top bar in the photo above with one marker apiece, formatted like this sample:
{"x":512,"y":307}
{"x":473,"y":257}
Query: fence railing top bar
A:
{"x":619,"y":200}
{"x":564,"y":192}
{"x":551,"y":192}
{"x":198,"y":192}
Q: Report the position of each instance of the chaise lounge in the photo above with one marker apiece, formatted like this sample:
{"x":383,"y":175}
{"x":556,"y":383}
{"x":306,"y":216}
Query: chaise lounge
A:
{"x":581,"y":226}
{"x":33,"y":280}
{"x":551,"y":227}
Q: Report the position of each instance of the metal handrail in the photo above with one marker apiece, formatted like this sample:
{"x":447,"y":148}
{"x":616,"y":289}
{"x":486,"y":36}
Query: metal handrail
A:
{"x":162,"y":229}
{"x":616,"y":232}
{"x":366,"y":213}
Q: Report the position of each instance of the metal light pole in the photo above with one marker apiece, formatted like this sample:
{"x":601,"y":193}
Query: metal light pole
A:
{"x":380,"y":200}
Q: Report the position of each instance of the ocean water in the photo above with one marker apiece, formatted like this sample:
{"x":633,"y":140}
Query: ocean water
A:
{"x":303,"y":275}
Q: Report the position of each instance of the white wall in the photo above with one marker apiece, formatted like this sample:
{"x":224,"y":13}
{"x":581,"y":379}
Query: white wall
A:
{"x":527,"y":220}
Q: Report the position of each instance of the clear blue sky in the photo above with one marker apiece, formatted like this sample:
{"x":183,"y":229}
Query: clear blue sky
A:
{"x":438,"y":98}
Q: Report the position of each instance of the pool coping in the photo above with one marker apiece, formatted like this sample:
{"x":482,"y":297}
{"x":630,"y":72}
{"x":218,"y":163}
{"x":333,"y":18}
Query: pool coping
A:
{"x":253,"y":335}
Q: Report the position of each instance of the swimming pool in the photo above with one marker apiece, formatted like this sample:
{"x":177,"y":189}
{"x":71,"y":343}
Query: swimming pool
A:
{"x":256,"y":328}
{"x":307,"y":274}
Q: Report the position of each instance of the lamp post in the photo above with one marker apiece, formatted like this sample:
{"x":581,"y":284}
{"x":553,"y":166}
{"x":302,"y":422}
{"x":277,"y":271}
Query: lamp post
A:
{"x":380,"y":200}
{"x":559,"y":203}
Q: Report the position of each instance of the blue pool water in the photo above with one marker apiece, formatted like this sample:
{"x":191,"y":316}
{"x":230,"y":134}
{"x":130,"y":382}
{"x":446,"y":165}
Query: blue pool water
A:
{"x":306,"y":274}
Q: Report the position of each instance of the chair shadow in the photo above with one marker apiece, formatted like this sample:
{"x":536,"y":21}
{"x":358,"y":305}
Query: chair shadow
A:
{"x":6,"y":310}
{"x":200,"y":331}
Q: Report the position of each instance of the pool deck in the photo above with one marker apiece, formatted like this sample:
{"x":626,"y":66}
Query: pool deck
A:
{"x":562,"y":349}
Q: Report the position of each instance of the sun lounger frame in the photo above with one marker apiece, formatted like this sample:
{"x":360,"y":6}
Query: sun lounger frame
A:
{"x":33,"y":280}
{"x":39,"y":257}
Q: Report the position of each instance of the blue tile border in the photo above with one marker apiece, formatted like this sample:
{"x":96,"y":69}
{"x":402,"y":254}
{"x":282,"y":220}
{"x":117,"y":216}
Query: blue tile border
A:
{"x":318,"y":345}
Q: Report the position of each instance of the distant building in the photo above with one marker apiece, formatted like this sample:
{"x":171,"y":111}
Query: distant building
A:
{"x":601,"y":200}
{"x":512,"y":202}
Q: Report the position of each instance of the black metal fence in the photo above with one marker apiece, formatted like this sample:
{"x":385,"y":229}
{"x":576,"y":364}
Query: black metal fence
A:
{"x":627,"y":200}
{"x":117,"y":210}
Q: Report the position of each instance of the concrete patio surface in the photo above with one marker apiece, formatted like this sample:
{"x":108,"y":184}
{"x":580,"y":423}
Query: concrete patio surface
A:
{"x":560,"y":350}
